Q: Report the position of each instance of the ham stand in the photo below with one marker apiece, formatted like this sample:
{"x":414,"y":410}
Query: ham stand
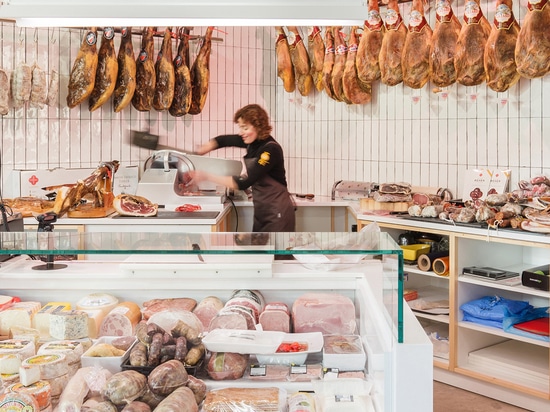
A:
{"x":45,"y":224}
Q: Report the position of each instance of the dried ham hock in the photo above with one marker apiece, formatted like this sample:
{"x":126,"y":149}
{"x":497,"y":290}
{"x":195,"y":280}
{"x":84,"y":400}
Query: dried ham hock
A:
{"x":391,"y":71}
{"x":142,"y":99}
{"x":125,"y":85}
{"x":354,"y":91}
{"x":82,"y":77}
{"x":444,"y":38}
{"x":106,"y":73}
{"x":368,"y":51}
{"x":200,"y":74}
{"x":533,"y":45}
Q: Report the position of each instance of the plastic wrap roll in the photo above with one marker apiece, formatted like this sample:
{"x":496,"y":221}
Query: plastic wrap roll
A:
{"x":441,"y":266}
{"x":425,"y":261}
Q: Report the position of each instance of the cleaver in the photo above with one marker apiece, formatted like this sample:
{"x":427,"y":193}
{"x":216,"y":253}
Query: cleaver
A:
{"x":150,"y":141}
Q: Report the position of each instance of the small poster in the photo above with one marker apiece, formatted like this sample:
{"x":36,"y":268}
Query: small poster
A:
{"x":476,"y":184}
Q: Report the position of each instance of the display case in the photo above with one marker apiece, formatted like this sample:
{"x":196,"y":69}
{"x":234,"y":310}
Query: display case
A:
{"x":366,"y":267}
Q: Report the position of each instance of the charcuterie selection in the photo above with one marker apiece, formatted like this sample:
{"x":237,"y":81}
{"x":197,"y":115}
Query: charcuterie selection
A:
{"x":155,"y":356}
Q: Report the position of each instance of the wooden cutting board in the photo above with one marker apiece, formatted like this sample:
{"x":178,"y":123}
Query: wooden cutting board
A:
{"x":368,"y":204}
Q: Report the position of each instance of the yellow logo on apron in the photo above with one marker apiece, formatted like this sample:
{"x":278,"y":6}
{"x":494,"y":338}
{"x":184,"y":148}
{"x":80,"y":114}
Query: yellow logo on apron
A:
{"x":264,"y":158}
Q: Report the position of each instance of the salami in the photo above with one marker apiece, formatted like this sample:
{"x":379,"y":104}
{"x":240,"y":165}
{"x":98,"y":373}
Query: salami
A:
{"x":132,"y":205}
{"x":181,"y":400}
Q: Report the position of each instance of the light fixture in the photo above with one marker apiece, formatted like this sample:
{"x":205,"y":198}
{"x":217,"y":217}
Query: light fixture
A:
{"x":165,"y":13}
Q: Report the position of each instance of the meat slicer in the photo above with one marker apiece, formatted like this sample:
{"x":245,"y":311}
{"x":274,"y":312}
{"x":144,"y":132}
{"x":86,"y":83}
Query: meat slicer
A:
{"x":166,"y":178}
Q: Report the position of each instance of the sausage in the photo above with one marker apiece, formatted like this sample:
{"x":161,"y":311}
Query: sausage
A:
{"x":198,"y":387}
{"x":153,"y":328}
{"x":138,"y":355}
{"x":181,"y":400}
{"x":181,"y":348}
{"x":137,"y":406}
{"x":183,"y":329}
{"x":124,"y":387}
{"x":168,"y":350}
{"x":154,"y":350}
{"x":194,"y":355}
{"x":167,"y":377}
{"x":141,"y":332}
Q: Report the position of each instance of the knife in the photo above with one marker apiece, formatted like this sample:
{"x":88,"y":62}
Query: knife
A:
{"x":308,"y":196}
{"x":197,"y":247}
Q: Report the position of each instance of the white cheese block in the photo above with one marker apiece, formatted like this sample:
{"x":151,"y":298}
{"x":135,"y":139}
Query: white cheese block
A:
{"x":41,"y":320}
{"x":18,"y":314}
{"x":72,"y":349}
{"x":29,"y":374}
{"x":51,"y":365}
{"x":103,"y":301}
{"x":58,"y":384}
{"x":24,"y":348}
{"x":95,"y":317}
{"x":71,"y":324}
{"x":9,"y":363}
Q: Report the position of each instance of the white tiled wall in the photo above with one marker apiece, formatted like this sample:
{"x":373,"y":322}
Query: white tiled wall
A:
{"x":408,"y":135}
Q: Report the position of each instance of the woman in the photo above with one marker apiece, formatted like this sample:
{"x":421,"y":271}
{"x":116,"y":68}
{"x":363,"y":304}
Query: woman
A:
{"x":265,"y":170}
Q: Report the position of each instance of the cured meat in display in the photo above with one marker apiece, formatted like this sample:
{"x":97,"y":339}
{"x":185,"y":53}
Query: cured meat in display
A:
{"x":4,"y":93}
{"x":341,"y":52}
{"x":285,"y":70}
{"x":166,"y":77}
{"x":470,"y":47}
{"x":316,"y":47}
{"x":301,"y":63}
{"x":328,"y":63}
{"x":53,"y":89}
{"x":354,"y":91}
{"x":131,"y":205}
{"x":39,"y":87}
{"x":142,"y":99}
{"x":415,"y":60}
{"x":82,"y":77}
{"x":368,"y":51}
{"x":533,"y":44}
{"x":21,"y":85}
{"x":500,"y":62}
{"x":182,"y":87}
{"x":126,"y":79}
{"x":200,"y":74}
{"x":106,"y":73}
{"x":391,"y":72}
{"x":444,"y":38}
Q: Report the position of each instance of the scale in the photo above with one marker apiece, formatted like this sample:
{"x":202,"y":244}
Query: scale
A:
{"x":166,"y":179}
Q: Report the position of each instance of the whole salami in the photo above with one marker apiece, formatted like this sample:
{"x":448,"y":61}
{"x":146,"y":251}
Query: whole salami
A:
{"x":181,"y":400}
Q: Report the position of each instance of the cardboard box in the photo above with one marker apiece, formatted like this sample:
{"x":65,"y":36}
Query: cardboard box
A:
{"x":540,"y":280}
{"x":29,"y":183}
{"x":481,"y":182}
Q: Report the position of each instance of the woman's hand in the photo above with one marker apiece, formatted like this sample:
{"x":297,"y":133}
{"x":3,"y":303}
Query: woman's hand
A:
{"x":207,"y":147}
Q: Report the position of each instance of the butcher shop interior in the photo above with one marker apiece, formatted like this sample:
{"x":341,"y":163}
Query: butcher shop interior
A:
{"x":415,"y":138}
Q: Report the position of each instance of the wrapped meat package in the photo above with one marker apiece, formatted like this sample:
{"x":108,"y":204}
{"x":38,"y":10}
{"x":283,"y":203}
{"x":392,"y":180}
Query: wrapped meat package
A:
{"x":245,"y":399}
{"x":328,"y":313}
{"x":226,"y":365}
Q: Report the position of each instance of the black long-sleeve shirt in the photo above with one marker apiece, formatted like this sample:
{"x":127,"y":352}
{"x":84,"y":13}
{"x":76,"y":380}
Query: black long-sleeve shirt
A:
{"x":267,"y":156}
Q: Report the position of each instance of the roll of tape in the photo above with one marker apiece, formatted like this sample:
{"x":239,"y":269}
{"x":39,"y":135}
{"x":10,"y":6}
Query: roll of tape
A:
{"x":425,"y":261}
{"x":441,"y":266}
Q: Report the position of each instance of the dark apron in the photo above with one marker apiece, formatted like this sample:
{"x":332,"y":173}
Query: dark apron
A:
{"x":273,"y":206}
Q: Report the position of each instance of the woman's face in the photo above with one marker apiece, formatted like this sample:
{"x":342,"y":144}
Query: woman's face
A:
{"x":247,"y":131}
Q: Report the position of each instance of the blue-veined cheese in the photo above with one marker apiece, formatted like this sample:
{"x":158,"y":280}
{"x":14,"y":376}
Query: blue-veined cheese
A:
{"x":41,"y":320}
{"x":18,"y":314}
{"x":71,"y":324}
{"x":51,"y":365}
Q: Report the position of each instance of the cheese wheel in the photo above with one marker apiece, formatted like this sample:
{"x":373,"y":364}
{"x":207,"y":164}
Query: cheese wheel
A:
{"x":41,"y":391}
{"x":9,"y":378}
{"x":103,"y":301}
{"x":18,"y":402}
{"x":22,"y":347}
{"x":51,"y":365}
{"x":121,"y":320}
{"x":9,"y":363}
{"x":18,"y":314}
{"x":58,"y":384}
{"x":72,"y":350}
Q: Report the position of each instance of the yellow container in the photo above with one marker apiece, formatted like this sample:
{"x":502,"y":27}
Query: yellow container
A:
{"x":411,"y":252}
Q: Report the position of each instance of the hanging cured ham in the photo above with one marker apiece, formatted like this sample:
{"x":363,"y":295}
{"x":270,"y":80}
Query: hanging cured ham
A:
{"x":533,"y":44}
{"x":470,"y":46}
{"x":354,"y":91}
{"x":301,"y":63}
{"x":444,"y":39}
{"x":21,"y":85}
{"x":500,"y":62}
{"x":328,"y":63}
{"x":391,"y":72}
{"x":166,"y":77}
{"x":340,"y":51}
{"x":285,"y":70}
{"x":107,"y":70}
{"x":182,"y":89}
{"x":39,"y":87}
{"x":316,"y":48}
{"x":415,"y":59}
{"x":368,"y":51}
{"x":4,"y":93}
{"x":142,"y":99}
{"x":53,"y":88}
{"x":200,"y":73}
{"x":126,"y":78}
{"x":82,"y":76}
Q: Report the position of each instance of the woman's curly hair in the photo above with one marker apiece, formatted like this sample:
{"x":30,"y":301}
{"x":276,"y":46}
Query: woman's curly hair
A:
{"x":257,"y":117}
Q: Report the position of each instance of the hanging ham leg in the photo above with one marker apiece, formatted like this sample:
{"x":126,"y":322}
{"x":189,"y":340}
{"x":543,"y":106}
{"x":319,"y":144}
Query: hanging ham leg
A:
{"x":82,"y":77}
{"x":142,"y":99}
{"x":166,"y":77}
{"x":391,"y":72}
{"x":285,"y":69}
{"x":183,"y":89}
{"x":533,"y":44}
{"x":126,"y":79}
{"x":4,"y":93}
{"x":354,"y":91}
{"x":442,"y":51}
{"x":328,"y":63}
{"x":415,"y":59}
{"x":500,"y":63}
{"x":106,"y":73}
{"x":316,"y":49}
{"x":200,"y":73}
{"x":341,"y":51}
{"x":470,"y":47}
{"x":301,"y":63}
{"x":368,"y":51}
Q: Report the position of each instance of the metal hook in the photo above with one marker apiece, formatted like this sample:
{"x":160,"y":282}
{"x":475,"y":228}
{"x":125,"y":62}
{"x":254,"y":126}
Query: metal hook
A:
{"x":53,"y":39}
{"x":22,"y":35}
{"x":35,"y":35}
